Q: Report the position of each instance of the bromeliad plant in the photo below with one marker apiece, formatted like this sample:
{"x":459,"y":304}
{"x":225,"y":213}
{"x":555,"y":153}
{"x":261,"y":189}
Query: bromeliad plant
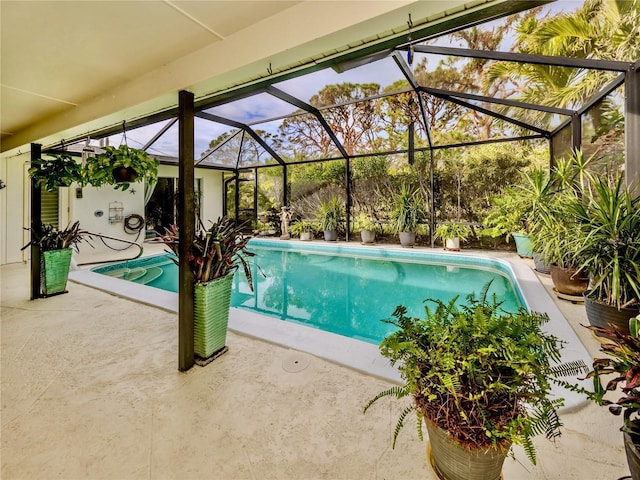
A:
{"x":48,"y":237}
{"x":481,"y":374}
{"x":217,"y":252}
{"x":623,"y":362}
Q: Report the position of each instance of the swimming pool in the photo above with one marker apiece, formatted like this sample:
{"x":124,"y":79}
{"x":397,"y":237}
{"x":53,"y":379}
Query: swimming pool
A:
{"x":354,"y":353}
{"x":347,"y":293}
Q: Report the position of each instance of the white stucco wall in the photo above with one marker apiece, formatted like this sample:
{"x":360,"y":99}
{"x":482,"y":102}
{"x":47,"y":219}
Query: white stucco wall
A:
{"x":92,"y":211}
{"x":15,"y":206}
{"x":211,"y":186}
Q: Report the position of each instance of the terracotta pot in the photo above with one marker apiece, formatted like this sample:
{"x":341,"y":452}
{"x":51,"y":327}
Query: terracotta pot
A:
{"x":568,"y":280}
{"x":606,"y":316}
{"x":454,"y":462}
{"x":633,"y":456}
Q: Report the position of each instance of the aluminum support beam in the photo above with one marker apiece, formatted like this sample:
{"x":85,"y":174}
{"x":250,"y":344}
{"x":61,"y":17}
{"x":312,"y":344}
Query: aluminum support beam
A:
{"x":36,"y":219}
{"x":632,"y":129}
{"x":570,"y":62}
{"x":186,"y":228}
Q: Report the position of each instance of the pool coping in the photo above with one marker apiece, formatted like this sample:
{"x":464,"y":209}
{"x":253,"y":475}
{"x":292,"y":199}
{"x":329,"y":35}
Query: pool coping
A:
{"x":352,"y":353}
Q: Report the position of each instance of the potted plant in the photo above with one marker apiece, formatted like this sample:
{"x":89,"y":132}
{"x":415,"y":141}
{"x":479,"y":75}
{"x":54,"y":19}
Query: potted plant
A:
{"x":60,"y":171}
{"x":480,"y":378}
{"x":623,"y":361}
{"x":367,"y":226}
{"x":217,"y":254}
{"x":121,"y":165}
{"x":451,"y":233}
{"x":56,"y":250}
{"x":608,"y":247}
{"x":516,"y":210}
{"x":330,"y":218}
{"x":407,"y":214}
{"x":304,"y":229}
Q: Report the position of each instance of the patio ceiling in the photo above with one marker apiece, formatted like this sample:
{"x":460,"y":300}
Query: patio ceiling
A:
{"x":72,"y":68}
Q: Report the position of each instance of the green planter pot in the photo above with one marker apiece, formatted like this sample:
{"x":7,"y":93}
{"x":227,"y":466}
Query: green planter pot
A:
{"x":523,"y":245}
{"x":454,"y":462}
{"x":211,"y":315}
{"x":55,"y":270}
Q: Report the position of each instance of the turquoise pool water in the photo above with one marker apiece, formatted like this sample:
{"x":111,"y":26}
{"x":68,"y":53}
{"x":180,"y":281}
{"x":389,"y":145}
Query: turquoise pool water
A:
{"x":341,"y":290}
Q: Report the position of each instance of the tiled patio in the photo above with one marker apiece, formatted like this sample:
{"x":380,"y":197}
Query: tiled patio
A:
{"x":90,"y":390}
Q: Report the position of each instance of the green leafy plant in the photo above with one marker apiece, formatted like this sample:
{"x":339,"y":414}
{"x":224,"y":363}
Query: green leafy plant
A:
{"x":60,"y":171}
{"x":482,"y":374}
{"x":365,"y":221}
{"x":48,"y":237}
{"x":99,"y":168}
{"x":217,"y":252}
{"x":608,"y":239}
{"x":623,"y":362}
{"x":408,"y":211}
{"x":452,"y":230}
{"x":331,"y":214}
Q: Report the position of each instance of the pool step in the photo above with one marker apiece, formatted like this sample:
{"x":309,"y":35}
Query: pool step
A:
{"x":136,"y":274}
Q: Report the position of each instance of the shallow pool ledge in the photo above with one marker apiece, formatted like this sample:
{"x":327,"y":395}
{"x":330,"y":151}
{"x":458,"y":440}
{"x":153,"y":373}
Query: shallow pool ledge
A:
{"x":361,"y":356}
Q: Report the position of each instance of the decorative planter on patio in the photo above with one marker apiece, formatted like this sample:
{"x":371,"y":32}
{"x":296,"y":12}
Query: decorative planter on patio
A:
{"x":633,"y":456}
{"x":540,"y":266}
{"x":568,"y":281}
{"x":305,"y":236}
{"x":523,"y":245}
{"x":454,"y":462}
{"x":407,"y":239}
{"x":452,"y":244}
{"x":211,"y":315}
{"x":607,"y":316}
{"x":367,"y":236}
{"x":55,"y":270}
{"x":330,"y":235}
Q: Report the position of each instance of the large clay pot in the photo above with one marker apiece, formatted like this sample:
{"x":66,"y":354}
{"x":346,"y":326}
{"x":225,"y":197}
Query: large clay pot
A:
{"x":367,"y":236}
{"x":568,"y":281}
{"x":330,"y":235}
{"x":407,"y":239}
{"x":633,"y":456}
{"x":606,"y":316}
{"x":454,"y":462}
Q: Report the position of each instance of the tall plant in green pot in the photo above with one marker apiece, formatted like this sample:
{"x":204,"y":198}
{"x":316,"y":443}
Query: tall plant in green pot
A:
{"x":119,"y":166}
{"x":623,"y":362}
{"x":480,"y":379}
{"x":56,"y":247}
{"x":217,"y":253}
{"x":331,"y":217}
{"x":608,"y":246}
{"x":408,"y":212}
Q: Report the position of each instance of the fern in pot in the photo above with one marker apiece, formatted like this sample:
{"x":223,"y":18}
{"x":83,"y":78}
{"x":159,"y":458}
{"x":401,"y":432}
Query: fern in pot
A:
{"x":480,"y":379}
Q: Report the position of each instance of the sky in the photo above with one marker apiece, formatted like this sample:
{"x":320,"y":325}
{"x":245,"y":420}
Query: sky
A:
{"x":264,"y":106}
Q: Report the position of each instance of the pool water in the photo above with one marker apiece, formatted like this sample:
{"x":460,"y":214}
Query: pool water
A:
{"x":347,"y":293}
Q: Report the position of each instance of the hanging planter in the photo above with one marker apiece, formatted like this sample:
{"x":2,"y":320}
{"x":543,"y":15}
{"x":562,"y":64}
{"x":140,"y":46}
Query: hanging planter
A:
{"x":124,"y":174}
{"x":120,"y":166}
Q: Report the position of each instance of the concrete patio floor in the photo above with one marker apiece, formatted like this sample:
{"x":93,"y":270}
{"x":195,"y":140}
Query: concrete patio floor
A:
{"x":91,"y":390}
